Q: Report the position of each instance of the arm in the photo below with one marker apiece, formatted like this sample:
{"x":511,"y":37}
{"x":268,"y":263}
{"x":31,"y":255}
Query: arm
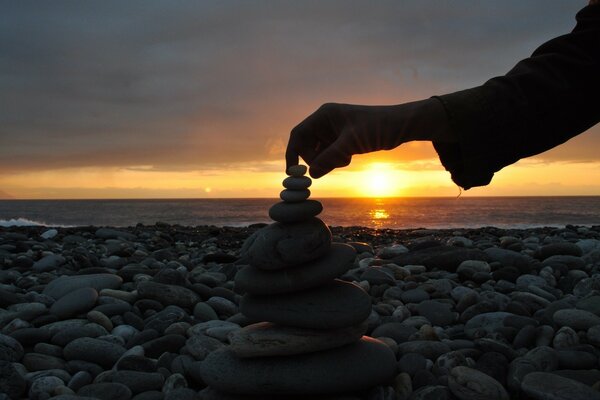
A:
{"x":542,"y":102}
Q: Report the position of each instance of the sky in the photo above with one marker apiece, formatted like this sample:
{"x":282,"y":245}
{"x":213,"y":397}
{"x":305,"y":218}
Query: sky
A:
{"x":165,"y":99}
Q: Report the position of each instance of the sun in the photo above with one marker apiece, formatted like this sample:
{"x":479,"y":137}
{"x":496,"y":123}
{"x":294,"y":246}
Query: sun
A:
{"x":379,"y":181}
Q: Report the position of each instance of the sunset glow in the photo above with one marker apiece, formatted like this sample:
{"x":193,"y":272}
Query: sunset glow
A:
{"x":201,"y":105}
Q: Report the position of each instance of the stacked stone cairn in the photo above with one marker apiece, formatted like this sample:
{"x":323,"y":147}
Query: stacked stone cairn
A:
{"x":312,"y":345}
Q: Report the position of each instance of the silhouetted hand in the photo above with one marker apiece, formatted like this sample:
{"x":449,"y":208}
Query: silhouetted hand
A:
{"x":329,"y":137}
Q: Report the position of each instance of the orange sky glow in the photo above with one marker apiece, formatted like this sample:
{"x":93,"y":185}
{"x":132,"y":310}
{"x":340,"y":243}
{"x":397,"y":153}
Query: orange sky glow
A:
{"x":101,"y":102}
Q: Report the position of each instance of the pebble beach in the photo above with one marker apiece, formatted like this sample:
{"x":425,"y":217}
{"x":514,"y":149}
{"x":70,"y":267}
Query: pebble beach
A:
{"x":133,"y":313}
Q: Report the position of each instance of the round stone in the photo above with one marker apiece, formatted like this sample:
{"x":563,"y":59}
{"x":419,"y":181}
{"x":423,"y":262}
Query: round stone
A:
{"x":294,"y":196}
{"x":297,"y":170}
{"x":267,"y":339}
{"x":297,"y":182}
{"x":98,"y":351}
{"x":469,"y":384}
{"x":76,"y":302}
{"x":312,"y":274}
{"x":544,"y":385}
{"x":576,"y":319}
{"x":355,"y":367}
{"x":295,"y":212}
{"x":279,"y":246}
{"x":335,"y":305}
{"x":66,"y":284}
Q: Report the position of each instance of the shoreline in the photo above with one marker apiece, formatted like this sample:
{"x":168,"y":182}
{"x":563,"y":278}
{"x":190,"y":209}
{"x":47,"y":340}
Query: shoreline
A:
{"x":85,"y":306}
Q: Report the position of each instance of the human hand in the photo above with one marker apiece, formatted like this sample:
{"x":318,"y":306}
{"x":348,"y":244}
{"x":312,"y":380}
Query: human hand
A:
{"x":328,"y":138}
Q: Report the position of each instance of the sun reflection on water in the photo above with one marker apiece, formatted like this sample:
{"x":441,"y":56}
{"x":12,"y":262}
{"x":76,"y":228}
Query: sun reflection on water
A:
{"x":378,"y":213}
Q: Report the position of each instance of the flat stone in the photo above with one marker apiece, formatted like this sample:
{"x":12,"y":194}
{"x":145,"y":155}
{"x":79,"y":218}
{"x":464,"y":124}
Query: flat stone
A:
{"x":469,"y":384}
{"x":297,"y":182}
{"x":294,"y":196}
{"x":297,"y":170}
{"x":267,"y":339}
{"x":279,"y":246}
{"x":576,"y":319}
{"x":75,"y":302}
{"x":366,"y":363}
{"x":396,"y":330}
{"x":66,"y":284}
{"x":168,"y":294}
{"x":295,"y":212}
{"x":547,"y":386}
{"x":97,"y":351}
{"x":336,"y":305}
{"x":312,"y":274}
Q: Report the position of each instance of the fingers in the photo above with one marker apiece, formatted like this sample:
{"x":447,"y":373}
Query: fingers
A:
{"x":334,"y":156}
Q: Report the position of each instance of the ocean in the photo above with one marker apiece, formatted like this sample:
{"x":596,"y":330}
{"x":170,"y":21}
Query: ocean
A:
{"x":400,"y":213}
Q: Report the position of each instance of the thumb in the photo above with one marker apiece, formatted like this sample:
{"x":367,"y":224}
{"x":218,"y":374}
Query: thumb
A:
{"x":334,"y":156}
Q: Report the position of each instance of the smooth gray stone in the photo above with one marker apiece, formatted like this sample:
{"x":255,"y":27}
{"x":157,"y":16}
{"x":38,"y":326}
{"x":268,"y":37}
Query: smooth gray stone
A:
{"x":295,"y":212}
{"x":548,"y":386}
{"x":312,"y":274}
{"x":355,"y":367}
{"x":576,"y":319}
{"x":297,"y":182}
{"x":267,"y":339}
{"x":93,"y":350}
{"x":76,"y":302}
{"x":10,"y":349}
{"x":427,"y":348}
{"x":294,"y":196}
{"x":40,"y":362}
{"x":106,"y":391}
{"x":48,"y":263}
{"x":469,"y":384}
{"x":279,"y":246}
{"x":66,"y":284}
{"x":168,"y":294}
{"x":490,"y":322}
{"x":336,"y":305}
{"x":297,"y":170}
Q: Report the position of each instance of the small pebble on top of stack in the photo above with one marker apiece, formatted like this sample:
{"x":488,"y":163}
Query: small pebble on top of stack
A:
{"x":312,"y":342}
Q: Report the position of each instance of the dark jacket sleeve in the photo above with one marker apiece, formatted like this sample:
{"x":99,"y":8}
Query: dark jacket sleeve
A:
{"x":542,"y":102}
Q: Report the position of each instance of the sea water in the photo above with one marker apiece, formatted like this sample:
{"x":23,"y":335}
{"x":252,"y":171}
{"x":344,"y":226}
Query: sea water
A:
{"x":405,"y":212}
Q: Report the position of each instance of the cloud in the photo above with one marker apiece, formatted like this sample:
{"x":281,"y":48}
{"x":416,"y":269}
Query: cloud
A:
{"x":186,"y":85}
